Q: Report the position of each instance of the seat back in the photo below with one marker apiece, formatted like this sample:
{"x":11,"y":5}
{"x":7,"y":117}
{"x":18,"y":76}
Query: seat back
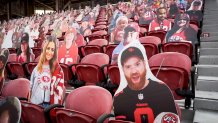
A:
{"x":151,"y":49}
{"x":67,"y":73}
{"x":32,"y":113}
{"x":181,"y":47}
{"x":89,"y":49}
{"x":30,"y":66}
{"x":109,"y":49}
{"x":12,"y":57}
{"x":36,"y":51}
{"x":12,"y":50}
{"x":98,"y":59}
{"x":114,"y":74}
{"x":159,"y":33}
{"x":69,"y":116}
{"x":172,"y":68}
{"x":16,"y":68}
{"x":150,"y":39}
{"x":19,"y":88}
{"x":99,"y":42}
{"x":91,"y":100}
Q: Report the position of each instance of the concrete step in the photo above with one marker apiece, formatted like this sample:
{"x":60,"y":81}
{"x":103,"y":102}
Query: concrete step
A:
{"x":210,"y":27}
{"x":206,"y":100}
{"x":209,"y":44}
{"x":207,"y":70}
{"x":187,"y":116}
{"x":209,"y":51}
{"x":205,"y":116}
{"x":206,"y":21}
{"x":211,"y":39}
{"x":207,"y":85}
{"x":209,"y":60}
{"x":206,"y":95}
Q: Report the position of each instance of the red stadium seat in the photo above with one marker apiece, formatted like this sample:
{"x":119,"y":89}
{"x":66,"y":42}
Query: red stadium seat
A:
{"x":89,"y":69}
{"x":151,"y":44}
{"x":12,"y":57}
{"x":29,"y":67}
{"x":101,"y":23}
{"x":174,"y":69}
{"x":84,"y":105}
{"x":181,"y":47}
{"x":100,"y":27}
{"x":108,"y":49}
{"x":161,"y":34}
{"x":32,"y":113}
{"x":12,"y":50}
{"x":18,"y":88}
{"x":16,"y":70}
{"x":94,"y":46}
{"x":36,"y":51}
{"x":68,"y":75}
{"x":114,"y":77}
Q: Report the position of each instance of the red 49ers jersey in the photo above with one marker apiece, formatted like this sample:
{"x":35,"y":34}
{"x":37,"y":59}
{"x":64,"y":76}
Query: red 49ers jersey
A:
{"x":177,"y":37}
{"x":154,"y":25}
{"x":68,"y":56}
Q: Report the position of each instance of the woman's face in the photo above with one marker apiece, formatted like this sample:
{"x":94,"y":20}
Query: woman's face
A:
{"x":122,"y":24}
{"x":50,"y":49}
{"x":24,"y":46}
{"x":182,"y":22}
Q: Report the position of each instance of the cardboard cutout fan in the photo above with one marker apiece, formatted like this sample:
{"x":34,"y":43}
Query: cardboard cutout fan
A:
{"x":140,"y":97}
{"x":182,"y":30}
{"x":4,"y":53}
{"x":194,"y":11}
{"x":118,"y":32}
{"x":68,"y":52}
{"x":160,"y":22}
{"x":10,"y":110}
{"x":47,"y":77}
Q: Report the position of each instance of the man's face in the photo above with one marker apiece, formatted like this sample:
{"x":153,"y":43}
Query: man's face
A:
{"x":69,"y":40}
{"x":195,"y":8}
{"x":132,"y":36}
{"x":135,"y":72}
{"x":161,"y":15}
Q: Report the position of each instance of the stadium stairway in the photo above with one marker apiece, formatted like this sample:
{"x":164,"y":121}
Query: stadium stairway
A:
{"x":206,"y":94}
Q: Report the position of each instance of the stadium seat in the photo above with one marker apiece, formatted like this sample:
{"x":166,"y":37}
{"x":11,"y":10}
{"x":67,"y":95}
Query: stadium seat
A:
{"x":161,"y":34}
{"x":18,"y":88}
{"x":108,"y":49}
{"x":12,"y":50}
{"x":68,"y":75}
{"x":151,"y":44}
{"x":12,"y":57}
{"x":113,"y":75}
{"x":175,"y":70}
{"x":32,"y":113}
{"x":15,"y":70}
{"x":83,"y":105}
{"x":94,"y":46}
{"x":181,"y":47}
{"x":36,"y":51}
{"x":89,"y":70}
{"x":29,"y":67}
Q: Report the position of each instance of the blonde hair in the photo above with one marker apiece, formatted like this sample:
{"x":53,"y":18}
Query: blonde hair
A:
{"x":53,"y":61}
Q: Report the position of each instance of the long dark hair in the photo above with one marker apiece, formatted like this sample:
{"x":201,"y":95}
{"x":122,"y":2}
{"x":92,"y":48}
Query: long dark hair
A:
{"x":28,"y":50}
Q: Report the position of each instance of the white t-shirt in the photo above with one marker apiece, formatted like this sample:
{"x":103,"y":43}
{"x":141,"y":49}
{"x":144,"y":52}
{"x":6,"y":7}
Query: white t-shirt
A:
{"x":40,"y":85}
